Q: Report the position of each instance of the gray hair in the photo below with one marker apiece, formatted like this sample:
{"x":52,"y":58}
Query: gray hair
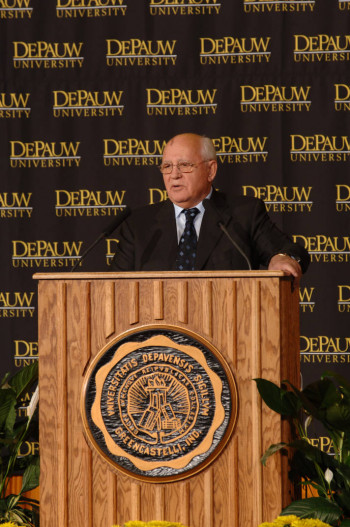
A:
{"x":207,"y":148}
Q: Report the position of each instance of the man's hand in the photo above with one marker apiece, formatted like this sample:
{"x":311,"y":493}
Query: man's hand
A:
{"x":287,"y":264}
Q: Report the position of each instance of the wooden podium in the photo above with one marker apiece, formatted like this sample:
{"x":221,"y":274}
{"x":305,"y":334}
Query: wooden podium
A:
{"x":251,"y":317}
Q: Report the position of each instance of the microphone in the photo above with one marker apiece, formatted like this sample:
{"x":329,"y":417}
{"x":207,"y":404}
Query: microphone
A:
{"x":223,"y":228}
{"x":207,"y":204}
{"x":107,"y":231}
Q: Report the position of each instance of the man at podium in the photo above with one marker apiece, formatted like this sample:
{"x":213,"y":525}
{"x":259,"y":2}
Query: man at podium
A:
{"x":199,"y":228}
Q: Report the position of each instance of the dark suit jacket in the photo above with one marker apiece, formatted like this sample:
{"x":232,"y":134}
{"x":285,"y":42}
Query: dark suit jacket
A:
{"x":148,"y":239}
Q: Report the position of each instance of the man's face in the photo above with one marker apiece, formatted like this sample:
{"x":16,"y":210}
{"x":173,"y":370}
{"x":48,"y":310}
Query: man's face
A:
{"x":187,"y":189}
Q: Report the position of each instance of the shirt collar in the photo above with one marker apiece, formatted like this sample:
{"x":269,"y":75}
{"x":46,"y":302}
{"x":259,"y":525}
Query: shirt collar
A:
{"x":199,"y":206}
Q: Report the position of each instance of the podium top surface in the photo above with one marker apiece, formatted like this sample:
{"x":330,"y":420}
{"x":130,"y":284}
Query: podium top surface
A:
{"x":160,"y":275}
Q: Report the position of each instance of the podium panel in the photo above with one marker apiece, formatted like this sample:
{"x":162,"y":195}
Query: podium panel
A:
{"x":251,"y":318}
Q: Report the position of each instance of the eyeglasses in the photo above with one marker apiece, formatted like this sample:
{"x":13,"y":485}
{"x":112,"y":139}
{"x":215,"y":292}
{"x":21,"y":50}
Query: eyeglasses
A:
{"x":184,"y":166}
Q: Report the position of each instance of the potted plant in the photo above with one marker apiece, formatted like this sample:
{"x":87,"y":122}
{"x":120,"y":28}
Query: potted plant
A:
{"x":294,"y":521}
{"x":16,"y":508}
{"x":327,"y":402}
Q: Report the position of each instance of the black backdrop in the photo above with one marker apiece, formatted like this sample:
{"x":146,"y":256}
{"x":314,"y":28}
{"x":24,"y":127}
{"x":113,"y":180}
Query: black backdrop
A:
{"x":90,"y":90}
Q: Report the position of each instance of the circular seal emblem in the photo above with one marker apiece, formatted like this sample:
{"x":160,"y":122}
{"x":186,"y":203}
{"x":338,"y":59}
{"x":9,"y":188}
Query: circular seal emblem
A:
{"x":159,"y":403}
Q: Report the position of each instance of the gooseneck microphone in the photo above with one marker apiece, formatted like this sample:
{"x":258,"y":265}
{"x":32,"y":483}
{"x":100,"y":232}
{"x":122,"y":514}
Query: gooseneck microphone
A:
{"x":209,"y":204}
{"x":107,"y":231}
{"x":223,"y":228}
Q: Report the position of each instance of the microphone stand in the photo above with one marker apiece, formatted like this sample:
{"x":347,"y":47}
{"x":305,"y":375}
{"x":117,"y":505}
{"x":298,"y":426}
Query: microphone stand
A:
{"x":120,"y":218}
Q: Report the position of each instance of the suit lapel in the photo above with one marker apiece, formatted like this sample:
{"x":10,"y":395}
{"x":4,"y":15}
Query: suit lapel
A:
{"x":164,"y":247}
{"x":210,"y":232}
{"x":167,"y":244}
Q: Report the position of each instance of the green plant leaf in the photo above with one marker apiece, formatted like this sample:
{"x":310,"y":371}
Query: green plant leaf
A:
{"x":343,"y":500}
{"x":7,"y":410}
{"x":24,"y":378}
{"x":328,"y":402}
{"x":4,"y":379}
{"x":31,"y":476}
{"x":322,"y":393}
{"x":320,"y":508}
{"x":272,"y":450}
{"x":313,"y":453}
{"x":338,"y":416}
{"x":306,"y":453}
{"x":12,"y":501}
{"x":303,"y":468}
{"x":312,"y":484}
{"x":29,"y":501}
{"x":342,"y":475}
{"x":345,"y":523}
{"x":11,"y":510}
{"x":344,"y":384}
{"x":304,"y":401}
{"x":279,"y":400}
{"x":316,"y":397}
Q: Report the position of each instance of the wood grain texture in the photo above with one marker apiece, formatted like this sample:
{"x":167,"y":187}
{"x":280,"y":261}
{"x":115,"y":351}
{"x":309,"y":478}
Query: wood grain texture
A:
{"x":182,"y":301}
{"x":53,"y":436}
{"x":134,"y":300}
{"x":251,"y":318}
{"x":78,"y":455}
{"x":109,"y":318}
{"x":158,"y":294}
{"x":105,"y":495}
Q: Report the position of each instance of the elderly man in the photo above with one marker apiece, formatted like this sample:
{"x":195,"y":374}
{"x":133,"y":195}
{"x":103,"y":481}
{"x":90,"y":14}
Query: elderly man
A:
{"x":201,"y":228}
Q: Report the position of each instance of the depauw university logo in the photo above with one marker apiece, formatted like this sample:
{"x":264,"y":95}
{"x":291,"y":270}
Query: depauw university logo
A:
{"x":132,"y":151}
{"x":25,"y":352}
{"x":17,"y":304}
{"x":274,"y":98}
{"x":342,"y":202}
{"x":47,"y":55}
{"x":241,"y":149}
{"x":12,"y":9}
{"x":326,"y":249}
{"x":87,"y":202}
{"x":344,"y":298}
{"x":319,"y":148}
{"x":156,"y":195}
{"x":181,"y":102}
{"x":90,"y":8}
{"x":15,"y":205}
{"x":306,"y":299}
{"x":84,"y":103}
{"x":282,"y":199}
{"x":44,"y":154}
{"x":44,"y":253}
{"x":111,"y":248}
{"x":138,"y":52}
{"x":14,"y":105}
{"x":184,"y":7}
{"x":325,"y":349}
{"x":234,"y":50}
{"x":342,"y":97}
{"x":321,"y":48}
{"x":284,"y":6}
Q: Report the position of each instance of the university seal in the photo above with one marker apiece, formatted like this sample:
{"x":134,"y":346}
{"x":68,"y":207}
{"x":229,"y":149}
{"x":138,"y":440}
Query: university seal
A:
{"x":159,"y":403}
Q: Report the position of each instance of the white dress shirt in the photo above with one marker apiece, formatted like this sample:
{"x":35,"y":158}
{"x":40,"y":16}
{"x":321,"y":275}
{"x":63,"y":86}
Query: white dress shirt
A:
{"x":181,"y":218}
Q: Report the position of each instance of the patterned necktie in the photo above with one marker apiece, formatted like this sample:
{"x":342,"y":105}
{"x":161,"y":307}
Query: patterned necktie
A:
{"x":186,"y":255}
